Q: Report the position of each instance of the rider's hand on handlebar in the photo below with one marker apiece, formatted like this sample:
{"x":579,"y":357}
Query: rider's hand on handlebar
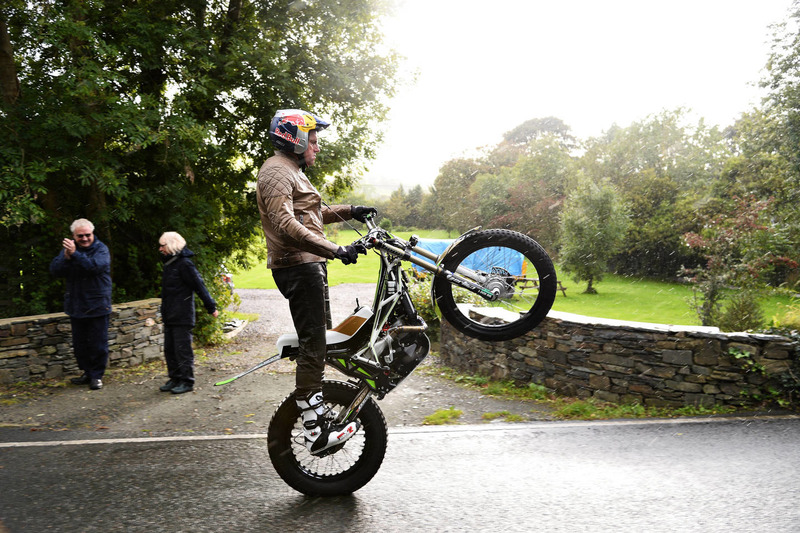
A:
{"x":360,"y":212}
{"x":349,"y":254}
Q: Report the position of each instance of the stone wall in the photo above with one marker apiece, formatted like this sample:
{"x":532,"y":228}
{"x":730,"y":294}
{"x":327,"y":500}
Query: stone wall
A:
{"x":35,"y":347}
{"x":626,"y":362}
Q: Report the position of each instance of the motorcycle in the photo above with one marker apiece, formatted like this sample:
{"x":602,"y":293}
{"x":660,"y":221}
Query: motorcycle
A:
{"x":377,"y":347}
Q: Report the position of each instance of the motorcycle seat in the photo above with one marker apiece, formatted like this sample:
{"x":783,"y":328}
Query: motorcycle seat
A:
{"x":340,"y":333}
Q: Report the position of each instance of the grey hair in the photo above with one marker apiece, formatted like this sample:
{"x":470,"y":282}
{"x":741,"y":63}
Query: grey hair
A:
{"x":173,"y":242}
{"x":81,"y":223}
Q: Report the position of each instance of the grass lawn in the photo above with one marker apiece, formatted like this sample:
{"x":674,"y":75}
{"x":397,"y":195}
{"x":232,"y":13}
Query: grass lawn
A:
{"x":619,"y":297}
{"x":640,"y":300}
{"x":365,"y":271}
{"x":625,"y":298}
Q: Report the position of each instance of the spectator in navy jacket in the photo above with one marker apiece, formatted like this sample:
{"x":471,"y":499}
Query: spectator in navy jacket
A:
{"x":180,"y":280}
{"x":86,"y":265}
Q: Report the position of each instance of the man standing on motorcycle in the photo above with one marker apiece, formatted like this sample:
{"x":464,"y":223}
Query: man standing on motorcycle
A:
{"x":292,"y":217}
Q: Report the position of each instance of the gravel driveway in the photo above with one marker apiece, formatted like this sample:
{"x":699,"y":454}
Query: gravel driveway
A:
{"x":273,"y":309}
{"x":130,"y":403}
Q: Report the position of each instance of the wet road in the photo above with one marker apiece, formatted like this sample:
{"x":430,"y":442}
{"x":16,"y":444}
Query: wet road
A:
{"x":730,"y":476}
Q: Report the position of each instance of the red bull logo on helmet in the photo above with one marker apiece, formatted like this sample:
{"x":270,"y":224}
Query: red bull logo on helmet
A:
{"x":286,"y":135}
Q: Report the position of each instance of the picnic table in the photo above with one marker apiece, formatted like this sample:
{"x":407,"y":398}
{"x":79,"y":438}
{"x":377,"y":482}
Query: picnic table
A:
{"x":523,"y":283}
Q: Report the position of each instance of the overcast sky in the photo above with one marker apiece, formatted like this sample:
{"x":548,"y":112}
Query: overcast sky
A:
{"x":485,"y":67}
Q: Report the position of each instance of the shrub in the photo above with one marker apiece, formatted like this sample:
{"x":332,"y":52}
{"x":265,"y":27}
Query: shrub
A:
{"x":420,"y":291}
{"x":742,"y":312}
{"x":209,"y":329}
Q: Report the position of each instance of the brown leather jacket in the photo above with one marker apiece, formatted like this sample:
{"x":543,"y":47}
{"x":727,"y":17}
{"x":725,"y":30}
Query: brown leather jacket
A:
{"x":292,"y":215}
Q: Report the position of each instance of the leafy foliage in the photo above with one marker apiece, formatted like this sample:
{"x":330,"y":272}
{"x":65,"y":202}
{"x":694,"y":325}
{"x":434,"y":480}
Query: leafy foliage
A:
{"x":207,"y":330}
{"x":738,"y":249}
{"x":146,"y":116}
{"x":672,"y":176}
{"x":742,"y":313}
{"x":420,"y":291}
{"x":452,"y":186}
{"x":593,"y":226}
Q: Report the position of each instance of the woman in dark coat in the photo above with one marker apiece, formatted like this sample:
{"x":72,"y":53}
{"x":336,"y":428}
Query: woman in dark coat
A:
{"x":180,"y":280}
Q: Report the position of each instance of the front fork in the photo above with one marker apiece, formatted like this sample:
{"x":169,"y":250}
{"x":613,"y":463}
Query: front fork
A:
{"x":351,"y":413}
{"x":461,"y":277}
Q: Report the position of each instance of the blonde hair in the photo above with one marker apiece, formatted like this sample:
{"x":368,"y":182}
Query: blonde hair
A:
{"x":81,"y":223}
{"x":173,"y":242}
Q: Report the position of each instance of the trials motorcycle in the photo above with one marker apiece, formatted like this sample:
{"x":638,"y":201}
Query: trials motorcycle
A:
{"x":377,"y":347}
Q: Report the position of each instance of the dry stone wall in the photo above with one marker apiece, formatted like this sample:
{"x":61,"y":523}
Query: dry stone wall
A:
{"x":35,"y":347}
{"x":627,"y":362}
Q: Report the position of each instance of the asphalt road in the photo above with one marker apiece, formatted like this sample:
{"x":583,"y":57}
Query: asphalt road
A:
{"x":732,"y":475}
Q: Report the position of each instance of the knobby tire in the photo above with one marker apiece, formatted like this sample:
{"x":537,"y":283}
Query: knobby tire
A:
{"x":342,"y":472}
{"x":480,"y":251}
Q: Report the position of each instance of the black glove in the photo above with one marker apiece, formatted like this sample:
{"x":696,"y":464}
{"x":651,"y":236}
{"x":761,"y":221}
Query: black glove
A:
{"x":360,"y":212}
{"x":349,"y":254}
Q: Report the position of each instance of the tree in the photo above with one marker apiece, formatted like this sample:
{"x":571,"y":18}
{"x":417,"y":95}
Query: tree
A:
{"x":739,"y":246}
{"x":522,"y":140}
{"x":783,"y":83}
{"x":660,"y":213}
{"x":535,"y":188}
{"x":593,"y":225}
{"x":452,"y":189}
{"x":406,"y":209}
{"x":414,"y":205}
{"x":663,"y":167}
{"x":691,"y":154}
{"x":147,"y":116}
{"x":519,"y":184}
{"x":492,"y":191}
{"x":396,"y":208}
{"x":537,"y":128}
{"x":431,"y":212}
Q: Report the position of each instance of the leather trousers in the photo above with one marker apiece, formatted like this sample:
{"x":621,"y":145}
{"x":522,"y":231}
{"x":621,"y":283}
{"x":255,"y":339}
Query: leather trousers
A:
{"x":306,"y":288}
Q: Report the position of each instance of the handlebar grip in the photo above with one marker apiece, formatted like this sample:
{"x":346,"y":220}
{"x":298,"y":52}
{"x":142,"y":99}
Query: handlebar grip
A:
{"x":360,"y":247}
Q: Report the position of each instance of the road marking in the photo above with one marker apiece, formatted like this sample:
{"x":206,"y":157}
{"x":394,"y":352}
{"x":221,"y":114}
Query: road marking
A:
{"x":590,"y":423}
{"x":407,"y":430}
{"x":131,"y":440}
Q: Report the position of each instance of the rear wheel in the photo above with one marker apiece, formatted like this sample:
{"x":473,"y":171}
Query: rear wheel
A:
{"x":512,"y":266}
{"x":340,"y":470}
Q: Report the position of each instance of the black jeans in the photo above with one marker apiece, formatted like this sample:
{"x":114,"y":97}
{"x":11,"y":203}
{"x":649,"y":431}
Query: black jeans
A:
{"x":90,"y":344}
{"x":306,"y":288}
{"x":178,"y":353}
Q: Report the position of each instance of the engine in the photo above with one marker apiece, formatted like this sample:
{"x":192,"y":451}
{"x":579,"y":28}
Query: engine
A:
{"x":403,"y":350}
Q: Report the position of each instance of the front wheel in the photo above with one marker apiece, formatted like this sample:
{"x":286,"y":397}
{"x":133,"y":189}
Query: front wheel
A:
{"x":511,"y":266}
{"x":343,"y":470}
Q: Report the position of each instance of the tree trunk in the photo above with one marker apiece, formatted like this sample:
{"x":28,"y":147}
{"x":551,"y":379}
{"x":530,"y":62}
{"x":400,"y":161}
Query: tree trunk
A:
{"x":589,"y":288}
{"x":9,"y":83}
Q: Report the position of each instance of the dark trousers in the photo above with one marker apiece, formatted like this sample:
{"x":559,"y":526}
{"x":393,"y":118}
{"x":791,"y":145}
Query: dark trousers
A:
{"x":178,"y":353}
{"x":306,"y":288}
{"x":90,"y":344}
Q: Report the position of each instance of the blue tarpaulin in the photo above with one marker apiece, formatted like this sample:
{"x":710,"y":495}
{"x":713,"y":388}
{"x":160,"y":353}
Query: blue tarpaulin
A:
{"x":484,"y":259}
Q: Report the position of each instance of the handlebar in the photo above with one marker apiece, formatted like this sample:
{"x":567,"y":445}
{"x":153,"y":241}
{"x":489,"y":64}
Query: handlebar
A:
{"x":380,"y":238}
{"x":369,"y":240}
